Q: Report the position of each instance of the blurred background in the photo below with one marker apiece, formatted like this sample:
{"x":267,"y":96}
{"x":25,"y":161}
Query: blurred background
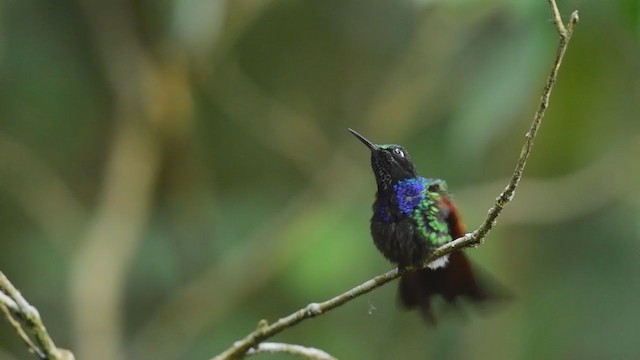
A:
{"x":171,"y":172}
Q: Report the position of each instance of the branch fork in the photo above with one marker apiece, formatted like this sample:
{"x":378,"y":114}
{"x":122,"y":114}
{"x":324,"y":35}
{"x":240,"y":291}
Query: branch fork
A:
{"x":23,"y":315}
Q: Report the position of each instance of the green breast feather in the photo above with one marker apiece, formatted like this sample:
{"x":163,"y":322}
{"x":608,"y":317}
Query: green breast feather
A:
{"x":419,"y":198}
{"x":430,"y":218}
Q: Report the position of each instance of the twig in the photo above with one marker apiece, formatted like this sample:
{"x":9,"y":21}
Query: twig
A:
{"x":265,"y":331}
{"x":307,"y":352}
{"x":7,"y":303}
{"x":507,"y":194}
{"x":15,"y":306}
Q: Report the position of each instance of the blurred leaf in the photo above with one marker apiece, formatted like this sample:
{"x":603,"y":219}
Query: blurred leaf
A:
{"x":502,"y":85}
{"x":197,"y":24}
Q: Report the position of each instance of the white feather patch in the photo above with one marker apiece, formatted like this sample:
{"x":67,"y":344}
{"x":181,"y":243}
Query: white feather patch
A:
{"x":438,"y":263}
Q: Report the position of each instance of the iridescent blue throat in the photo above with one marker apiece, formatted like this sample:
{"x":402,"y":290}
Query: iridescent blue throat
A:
{"x":409,"y":193}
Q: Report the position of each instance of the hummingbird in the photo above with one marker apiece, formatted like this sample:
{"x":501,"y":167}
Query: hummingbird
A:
{"x":412,"y":216}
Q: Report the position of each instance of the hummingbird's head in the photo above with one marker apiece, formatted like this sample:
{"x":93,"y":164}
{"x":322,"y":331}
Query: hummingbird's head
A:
{"x":390,"y":163}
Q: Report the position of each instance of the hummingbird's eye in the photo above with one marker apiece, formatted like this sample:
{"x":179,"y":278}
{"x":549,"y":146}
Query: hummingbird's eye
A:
{"x":398,"y":152}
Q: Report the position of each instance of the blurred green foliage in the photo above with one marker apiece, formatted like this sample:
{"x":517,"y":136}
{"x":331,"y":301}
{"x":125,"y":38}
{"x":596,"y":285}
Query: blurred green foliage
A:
{"x":182,"y":169}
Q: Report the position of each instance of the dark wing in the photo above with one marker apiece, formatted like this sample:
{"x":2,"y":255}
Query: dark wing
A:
{"x":453,"y":218}
{"x":456,"y":280}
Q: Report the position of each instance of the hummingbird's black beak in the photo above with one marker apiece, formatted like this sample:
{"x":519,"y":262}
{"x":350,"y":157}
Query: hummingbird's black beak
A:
{"x":373,"y":147}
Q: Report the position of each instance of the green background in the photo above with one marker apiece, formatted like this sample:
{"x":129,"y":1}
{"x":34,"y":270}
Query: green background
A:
{"x":171,"y":172}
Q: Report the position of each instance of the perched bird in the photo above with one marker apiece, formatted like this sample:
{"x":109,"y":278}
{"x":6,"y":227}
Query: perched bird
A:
{"x":412,"y":216}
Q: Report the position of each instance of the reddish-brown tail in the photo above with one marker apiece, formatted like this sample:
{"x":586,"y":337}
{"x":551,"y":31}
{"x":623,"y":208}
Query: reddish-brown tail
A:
{"x":456,"y":280}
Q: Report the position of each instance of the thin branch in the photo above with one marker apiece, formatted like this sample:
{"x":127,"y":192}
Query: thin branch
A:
{"x":265,"y":331}
{"x":557,"y":19}
{"x":307,"y":352}
{"x":507,"y":194}
{"x":16,"y":306}
{"x":5,"y":302}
